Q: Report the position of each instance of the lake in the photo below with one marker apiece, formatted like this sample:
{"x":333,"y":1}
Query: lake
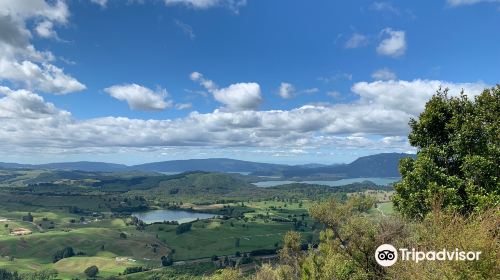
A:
{"x":342,"y":182}
{"x":180,"y":216}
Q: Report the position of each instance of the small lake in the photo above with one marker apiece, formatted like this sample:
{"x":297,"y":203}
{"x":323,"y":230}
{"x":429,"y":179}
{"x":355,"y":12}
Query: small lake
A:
{"x":180,"y":216}
{"x":342,"y":182}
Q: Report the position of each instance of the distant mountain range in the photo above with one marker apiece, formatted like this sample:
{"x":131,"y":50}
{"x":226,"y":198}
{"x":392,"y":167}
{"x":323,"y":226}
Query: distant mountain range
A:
{"x":379,"y":165}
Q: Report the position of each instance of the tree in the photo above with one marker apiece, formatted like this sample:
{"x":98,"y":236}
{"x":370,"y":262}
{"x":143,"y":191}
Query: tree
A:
{"x":182,"y":228}
{"x":166,"y":260}
{"x":28,"y":218}
{"x":91,"y":271}
{"x":67,"y":252}
{"x":458,"y":160}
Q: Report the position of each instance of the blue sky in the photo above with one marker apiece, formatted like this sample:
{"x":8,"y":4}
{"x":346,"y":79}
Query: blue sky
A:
{"x":274,"y":81}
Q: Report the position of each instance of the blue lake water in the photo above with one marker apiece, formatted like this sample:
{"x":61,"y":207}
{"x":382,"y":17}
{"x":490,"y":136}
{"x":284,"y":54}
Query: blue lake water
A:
{"x":377,"y":181}
{"x":153,"y":216}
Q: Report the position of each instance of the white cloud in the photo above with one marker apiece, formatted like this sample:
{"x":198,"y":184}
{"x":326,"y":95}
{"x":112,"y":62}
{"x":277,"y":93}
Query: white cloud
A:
{"x":234,"y":5}
{"x":334,"y":94}
{"x":383,"y":74}
{"x":385,"y":7}
{"x":186,"y":28}
{"x":183,"y":106}
{"x":236,"y":97}
{"x":469,"y":2}
{"x":382,"y":110}
{"x":139,"y":97}
{"x":23,"y":104}
{"x":20,"y":62}
{"x":45,"y":29}
{"x":356,"y":41}
{"x":340,"y":76}
{"x":409,"y":96}
{"x":44,"y":77}
{"x":394,"y":44}
{"x":102,"y":3}
{"x":286,"y":90}
{"x":311,"y":90}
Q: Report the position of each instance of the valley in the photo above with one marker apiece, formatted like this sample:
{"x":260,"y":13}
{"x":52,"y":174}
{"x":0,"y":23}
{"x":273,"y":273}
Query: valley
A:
{"x":63,"y":221}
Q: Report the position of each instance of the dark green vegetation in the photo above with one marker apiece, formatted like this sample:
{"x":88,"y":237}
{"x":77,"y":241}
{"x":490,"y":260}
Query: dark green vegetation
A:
{"x":458,"y":163}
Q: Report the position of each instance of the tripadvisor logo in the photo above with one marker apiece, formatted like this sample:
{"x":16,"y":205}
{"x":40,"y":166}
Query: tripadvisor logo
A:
{"x":387,"y":255}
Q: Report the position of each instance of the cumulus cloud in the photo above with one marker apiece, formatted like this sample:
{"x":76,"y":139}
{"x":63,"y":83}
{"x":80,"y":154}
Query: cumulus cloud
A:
{"x":383,"y":74}
{"x":20,"y":62}
{"x":23,"y":104}
{"x":45,"y":29}
{"x":409,"y":96}
{"x":356,"y":41}
{"x":139,"y":97}
{"x":286,"y":90}
{"x":382,"y":109}
{"x":236,"y":97}
{"x":394,"y":44}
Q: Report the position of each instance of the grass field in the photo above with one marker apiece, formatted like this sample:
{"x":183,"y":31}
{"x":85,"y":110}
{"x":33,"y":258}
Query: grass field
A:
{"x":75,"y":266}
{"x":386,"y":208}
{"x":98,"y":242}
{"x":218,"y":237}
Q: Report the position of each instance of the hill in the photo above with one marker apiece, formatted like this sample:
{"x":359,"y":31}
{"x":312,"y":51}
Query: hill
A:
{"x":209,"y":165}
{"x":379,"y":165}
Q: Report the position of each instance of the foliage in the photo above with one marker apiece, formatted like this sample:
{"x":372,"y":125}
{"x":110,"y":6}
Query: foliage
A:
{"x":477,"y":232}
{"x":7,"y":275}
{"x":166,"y":261}
{"x":458,"y":160}
{"x":67,"y":252}
{"x":226,"y":274}
{"x":46,"y":274}
{"x":134,"y":269}
{"x":91,"y":271}
{"x":182,"y":228}
{"x":347,"y":245}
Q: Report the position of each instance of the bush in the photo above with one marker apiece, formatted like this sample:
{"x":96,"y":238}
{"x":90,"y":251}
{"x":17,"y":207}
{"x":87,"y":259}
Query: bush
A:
{"x":91,"y":271}
{"x":134,"y":269}
{"x":67,"y":252}
{"x":182,"y":228}
{"x":166,"y":261}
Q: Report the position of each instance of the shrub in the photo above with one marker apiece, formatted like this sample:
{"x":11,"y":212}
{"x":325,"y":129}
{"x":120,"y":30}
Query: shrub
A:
{"x":91,"y":271}
{"x":182,"y":228}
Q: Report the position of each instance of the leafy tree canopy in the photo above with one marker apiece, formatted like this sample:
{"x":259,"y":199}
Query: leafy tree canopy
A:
{"x":458,"y":161}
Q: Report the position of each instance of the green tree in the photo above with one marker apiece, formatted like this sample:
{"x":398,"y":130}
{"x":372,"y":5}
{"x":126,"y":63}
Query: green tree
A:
{"x":182,"y":228}
{"x":167,"y":260}
{"x":458,"y":160}
{"x":91,"y":271}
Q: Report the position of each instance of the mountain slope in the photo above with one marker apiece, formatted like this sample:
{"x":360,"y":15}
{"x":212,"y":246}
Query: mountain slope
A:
{"x":379,"y":165}
{"x":209,"y":165}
